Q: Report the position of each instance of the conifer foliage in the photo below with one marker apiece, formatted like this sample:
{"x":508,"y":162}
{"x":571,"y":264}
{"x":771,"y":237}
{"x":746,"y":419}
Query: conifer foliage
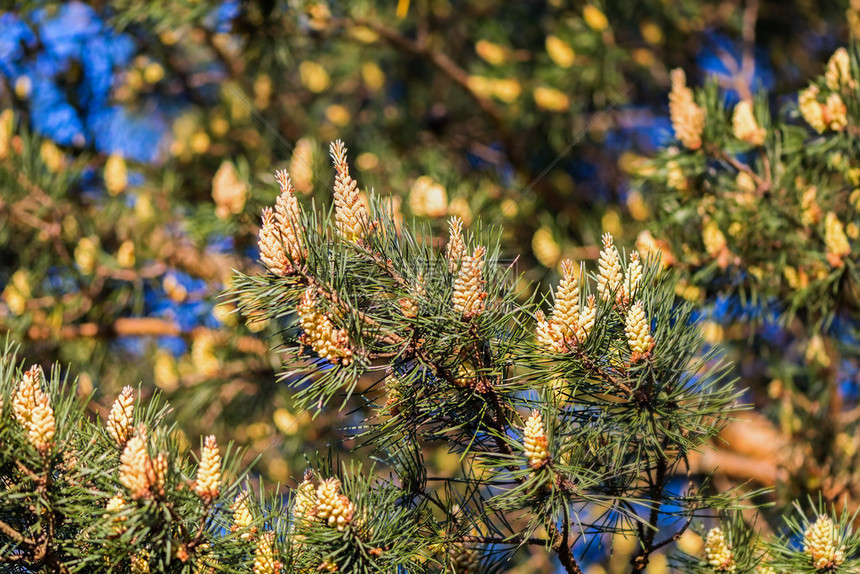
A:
{"x":566,"y":427}
{"x":83,"y":493}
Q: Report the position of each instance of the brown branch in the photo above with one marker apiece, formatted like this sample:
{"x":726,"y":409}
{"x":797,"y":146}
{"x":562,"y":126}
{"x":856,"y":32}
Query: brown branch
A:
{"x":658,"y":484}
{"x":761,"y":184}
{"x":123,"y":327}
{"x":675,"y":537}
{"x":10,"y":531}
{"x":751,"y":451}
{"x":561,"y":544}
{"x":141,"y":327}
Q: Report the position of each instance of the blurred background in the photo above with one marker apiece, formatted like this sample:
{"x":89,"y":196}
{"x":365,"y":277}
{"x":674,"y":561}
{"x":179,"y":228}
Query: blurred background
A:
{"x":139,"y":140}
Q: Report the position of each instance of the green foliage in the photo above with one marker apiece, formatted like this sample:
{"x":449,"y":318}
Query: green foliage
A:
{"x":619,"y":425}
{"x":66,"y":508}
{"x":530,"y":114}
{"x":770,"y":205}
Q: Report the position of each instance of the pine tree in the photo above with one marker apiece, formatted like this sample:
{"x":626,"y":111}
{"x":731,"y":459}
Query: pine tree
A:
{"x":150,"y":149}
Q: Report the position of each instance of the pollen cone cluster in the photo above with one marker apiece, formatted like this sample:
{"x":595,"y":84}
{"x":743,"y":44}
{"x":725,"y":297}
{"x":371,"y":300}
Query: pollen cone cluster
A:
{"x":319,"y":332}
{"x":243,"y":521}
{"x":744,"y":124}
{"x":114,"y":506}
{"x":810,"y":109}
{"x":349,"y":212}
{"x":715,"y":243}
{"x":610,"y":277}
{"x":332,"y":507}
{"x":120,"y":422}
{"x":469,"y":291}
{"x":280,"y":238}
{"x":633,"y":278}
{"x":609,"y":269}
{"x":688,"y":119}
{"x":32,"y":409}
{"x":821,"y":543}
{"x":305,"y":502}
{"x":838,"y":72}
{"x":656,"y":248}
{"x":535,"y":441}
{"x":586,"y":318}
{"x":133,"y":466}
{"x":264,"y":555}
{"x":27,"y":395}
{"x":820,"y":116}
{"x":42,"y":426}
{"x":835,"y":239}
{"x":570,"y":323}
{"x":638,"y":331}
{"x":138,"y":473}
{"x":718,"y":552}
{"x":456,"y":247}
{"x":209,"y":472}
{"x":810,"y":213}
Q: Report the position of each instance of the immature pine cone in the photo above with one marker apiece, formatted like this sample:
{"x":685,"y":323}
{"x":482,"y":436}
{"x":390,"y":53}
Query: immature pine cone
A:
{"x":565,"y":314}
{"x":42,"y":427}
{"x":586,"y":319}
{"x":688,"y":119}
{"x":718,"y":552}
{"x":535,"y":441}
{"x":349,"y":212}
{"x":320,"y":333}
{"x":288,"y":217}
{"x":114,"y":506}
{"x":135,"y":466}
{"x":838,"y":72}
{"x":835,"y":240}
{"x":334,"y":508}
{"x":744,"y":124}
{"x":609,"y":269}
{"x":456,"y":247}
{"x":120,"y":422}
{"x":209,"y":472}
{"x":264,"y":555}
{"x":280,"y":240}
{"x":469,"y":291}
{"x":633,"y":278}
{"x":548,"y":334}
{"x":243,"y":521}
{"x":820,"y":543}
{"x":638,"y":331}
{"x":27,"y":396}
{"x":464,"y":560}
{"x":304,"y":503}
{"x":560,"y":330}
